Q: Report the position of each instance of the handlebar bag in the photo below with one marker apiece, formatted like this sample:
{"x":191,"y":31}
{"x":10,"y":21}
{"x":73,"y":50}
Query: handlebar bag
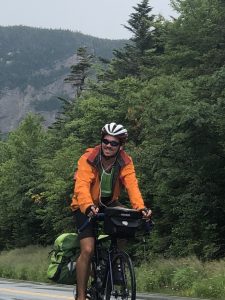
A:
{"x":121,"y":222}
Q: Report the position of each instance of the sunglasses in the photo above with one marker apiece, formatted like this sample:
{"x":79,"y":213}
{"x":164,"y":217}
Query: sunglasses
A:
{"x":112,"y":143}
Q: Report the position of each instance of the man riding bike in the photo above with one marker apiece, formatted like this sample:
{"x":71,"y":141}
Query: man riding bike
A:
{"x":101,"y":173}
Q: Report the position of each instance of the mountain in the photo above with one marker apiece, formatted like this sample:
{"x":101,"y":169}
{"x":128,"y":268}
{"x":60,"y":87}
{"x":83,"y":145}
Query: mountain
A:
{"x":33,"y":65}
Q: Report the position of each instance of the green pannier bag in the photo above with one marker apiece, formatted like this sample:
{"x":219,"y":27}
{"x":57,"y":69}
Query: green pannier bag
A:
{"x":62,"y":267}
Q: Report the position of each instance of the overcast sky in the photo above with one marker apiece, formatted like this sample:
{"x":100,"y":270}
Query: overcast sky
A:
{"x":100,"y":18}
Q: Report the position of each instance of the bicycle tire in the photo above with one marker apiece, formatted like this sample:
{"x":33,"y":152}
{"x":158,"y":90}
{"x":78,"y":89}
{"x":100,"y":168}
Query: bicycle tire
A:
{"x":126,"y":289}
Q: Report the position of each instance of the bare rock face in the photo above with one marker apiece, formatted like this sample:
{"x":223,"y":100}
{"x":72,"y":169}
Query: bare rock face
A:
{"x":16,"y":103}
{"x":33,"y":65}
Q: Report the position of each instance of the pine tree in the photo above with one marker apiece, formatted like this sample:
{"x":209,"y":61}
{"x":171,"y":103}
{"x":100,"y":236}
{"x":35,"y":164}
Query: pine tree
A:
{"x":80,"y":70}
{"x":141,"y":26}
{"x":130,"y":60}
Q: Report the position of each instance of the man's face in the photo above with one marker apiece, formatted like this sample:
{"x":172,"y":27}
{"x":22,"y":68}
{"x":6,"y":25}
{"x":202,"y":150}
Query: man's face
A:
{"x":110,"y":145}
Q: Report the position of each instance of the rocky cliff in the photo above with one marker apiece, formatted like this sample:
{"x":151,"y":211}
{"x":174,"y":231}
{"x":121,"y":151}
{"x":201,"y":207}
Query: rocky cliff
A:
{"x":16,"y":103}
{"x":33,"y":65}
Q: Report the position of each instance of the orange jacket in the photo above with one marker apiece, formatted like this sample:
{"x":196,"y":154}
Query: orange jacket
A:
{"x":87,"y":182}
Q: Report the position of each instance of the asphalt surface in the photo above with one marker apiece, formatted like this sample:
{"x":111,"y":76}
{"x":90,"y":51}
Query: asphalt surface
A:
{"x":23,"y":290}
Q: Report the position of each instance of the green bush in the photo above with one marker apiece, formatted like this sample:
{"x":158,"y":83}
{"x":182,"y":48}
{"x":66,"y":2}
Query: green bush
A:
{"x":185,"y":277}
{"x":28,"y":263}
{"x":154,"y":276}
{"x":213,"y":288}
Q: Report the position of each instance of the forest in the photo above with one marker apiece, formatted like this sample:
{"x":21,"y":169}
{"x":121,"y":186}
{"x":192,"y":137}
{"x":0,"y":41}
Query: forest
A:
{"x":25,"y":51}
{"x":166,"y":86}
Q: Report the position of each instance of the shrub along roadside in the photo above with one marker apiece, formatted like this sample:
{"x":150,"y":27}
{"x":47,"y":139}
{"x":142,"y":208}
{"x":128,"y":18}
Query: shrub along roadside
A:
{"x":184,"y":277}
{"x":28,"y":263}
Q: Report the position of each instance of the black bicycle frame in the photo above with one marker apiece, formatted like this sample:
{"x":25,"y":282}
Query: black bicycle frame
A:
{"x":97,"y":289}
{"x":100,"y":280}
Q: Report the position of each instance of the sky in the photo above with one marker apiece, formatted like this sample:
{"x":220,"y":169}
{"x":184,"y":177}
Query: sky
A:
{"x":99,"y":18}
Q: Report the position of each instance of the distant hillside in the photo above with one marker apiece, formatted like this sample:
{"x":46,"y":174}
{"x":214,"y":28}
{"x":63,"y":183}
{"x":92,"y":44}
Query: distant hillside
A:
{"x":33,"y":65}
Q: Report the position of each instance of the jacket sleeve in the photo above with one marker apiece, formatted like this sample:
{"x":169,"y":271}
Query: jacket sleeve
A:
{"x":83,"y":180}
{"x":131,"y":184}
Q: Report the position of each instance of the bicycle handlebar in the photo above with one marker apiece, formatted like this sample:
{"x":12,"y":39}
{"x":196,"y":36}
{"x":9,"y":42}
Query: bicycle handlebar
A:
{"x":149,"y":224}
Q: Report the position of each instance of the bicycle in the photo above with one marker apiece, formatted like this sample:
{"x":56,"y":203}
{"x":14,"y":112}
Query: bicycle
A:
{"x":112,"y":271}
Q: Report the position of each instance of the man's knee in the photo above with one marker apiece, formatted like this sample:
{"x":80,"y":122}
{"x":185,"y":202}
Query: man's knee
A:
{"x":88,"y":250}
{"x":87,"y":247}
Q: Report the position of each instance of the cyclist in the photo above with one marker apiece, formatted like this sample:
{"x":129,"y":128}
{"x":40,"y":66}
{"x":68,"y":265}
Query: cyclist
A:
{"x":100,"y":174}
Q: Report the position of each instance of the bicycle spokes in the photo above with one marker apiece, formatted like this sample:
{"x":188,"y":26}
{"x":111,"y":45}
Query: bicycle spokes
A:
{"x":123,"y":285}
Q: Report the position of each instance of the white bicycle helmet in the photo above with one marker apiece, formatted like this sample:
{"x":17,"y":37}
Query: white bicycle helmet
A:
{"x":115,"y":130}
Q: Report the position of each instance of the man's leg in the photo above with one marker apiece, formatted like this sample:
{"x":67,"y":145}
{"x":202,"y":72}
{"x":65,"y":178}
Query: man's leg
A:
{"x":83,"y":266}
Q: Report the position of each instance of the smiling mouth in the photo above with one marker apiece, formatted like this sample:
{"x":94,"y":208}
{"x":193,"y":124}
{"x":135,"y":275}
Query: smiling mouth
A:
{"x":108,"y":150}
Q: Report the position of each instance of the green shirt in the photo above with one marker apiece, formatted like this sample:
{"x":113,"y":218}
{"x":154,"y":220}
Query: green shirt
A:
{"x":106,"y":183}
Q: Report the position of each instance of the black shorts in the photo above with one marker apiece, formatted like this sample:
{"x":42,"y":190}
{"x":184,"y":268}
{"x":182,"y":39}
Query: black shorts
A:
{"x":81,"y":218}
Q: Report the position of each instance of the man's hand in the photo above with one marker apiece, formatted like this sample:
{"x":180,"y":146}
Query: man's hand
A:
{"x":91,"y":211}
{"x":147,"y":213}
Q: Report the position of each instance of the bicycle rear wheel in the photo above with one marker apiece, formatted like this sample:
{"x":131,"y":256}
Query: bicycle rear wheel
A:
{"x":123,"y":279}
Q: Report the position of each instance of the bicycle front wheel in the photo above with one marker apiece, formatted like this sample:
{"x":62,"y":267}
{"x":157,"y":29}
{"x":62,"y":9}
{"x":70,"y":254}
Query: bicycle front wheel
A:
{"x":121,"y":283}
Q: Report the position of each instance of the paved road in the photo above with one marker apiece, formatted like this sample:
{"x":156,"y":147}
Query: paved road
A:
{"x":21,"y":290}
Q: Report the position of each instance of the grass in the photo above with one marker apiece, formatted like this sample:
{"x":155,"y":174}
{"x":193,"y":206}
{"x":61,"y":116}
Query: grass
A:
{"x":28,"y":263}
{"x":184,"y":277}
